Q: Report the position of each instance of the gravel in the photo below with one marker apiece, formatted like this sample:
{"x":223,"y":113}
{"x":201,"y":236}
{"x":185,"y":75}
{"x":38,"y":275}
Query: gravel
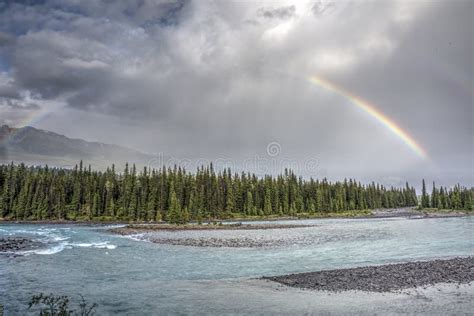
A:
{"x":237,"y":242}
{"x":143,"y":228}
{"x":11,"y":245}
{"x":384,"y":278}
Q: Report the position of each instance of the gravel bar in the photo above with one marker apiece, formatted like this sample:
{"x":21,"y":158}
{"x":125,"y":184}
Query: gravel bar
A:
{"x":384,"y":278}
{"x":13,"y":244}
{"x":142,"y":228}
{"x":219,"y":242}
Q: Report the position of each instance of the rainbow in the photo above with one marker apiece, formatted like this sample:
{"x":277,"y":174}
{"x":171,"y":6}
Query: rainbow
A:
{"x":31,"y":117}
{"x":372,"y":111}
{"x":37,"y":115}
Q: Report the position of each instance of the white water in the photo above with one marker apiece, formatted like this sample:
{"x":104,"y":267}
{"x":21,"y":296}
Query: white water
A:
{"x":54,"y":239}
{"x":126,"y":276}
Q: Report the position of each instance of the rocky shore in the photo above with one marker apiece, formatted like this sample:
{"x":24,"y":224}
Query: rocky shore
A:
{"x":408,"y":212}
{"x":155,"y":233}
{"x":385,"y":278}
{"x":145,"y":228}
{"x":413,"y":213}
{"x":213,"y":242}
{"x":10,"y":245}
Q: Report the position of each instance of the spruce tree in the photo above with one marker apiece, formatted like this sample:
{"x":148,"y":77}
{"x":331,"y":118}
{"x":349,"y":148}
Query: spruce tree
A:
{"x":230,"y":197}
{"x":425,"y":200}
{"x":267,"y":202}
{"x":174,"y":213}
{"x":172,"y":194}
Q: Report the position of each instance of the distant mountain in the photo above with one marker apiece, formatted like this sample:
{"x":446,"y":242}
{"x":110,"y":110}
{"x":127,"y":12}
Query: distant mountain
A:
{"x":39,"y":147}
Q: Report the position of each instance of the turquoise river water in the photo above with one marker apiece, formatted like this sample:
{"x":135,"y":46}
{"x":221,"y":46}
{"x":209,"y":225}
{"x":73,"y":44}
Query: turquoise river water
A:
{"x":130,"y":276}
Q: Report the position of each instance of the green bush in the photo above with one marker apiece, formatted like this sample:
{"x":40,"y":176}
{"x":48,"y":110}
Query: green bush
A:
{"x":51,"y":305}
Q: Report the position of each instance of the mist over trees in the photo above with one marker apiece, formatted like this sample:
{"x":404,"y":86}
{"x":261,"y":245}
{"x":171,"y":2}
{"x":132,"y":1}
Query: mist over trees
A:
{"x":177,"y":196}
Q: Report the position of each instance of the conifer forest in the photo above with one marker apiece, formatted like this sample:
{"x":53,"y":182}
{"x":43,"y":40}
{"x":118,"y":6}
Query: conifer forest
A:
{"x":178,"y":196}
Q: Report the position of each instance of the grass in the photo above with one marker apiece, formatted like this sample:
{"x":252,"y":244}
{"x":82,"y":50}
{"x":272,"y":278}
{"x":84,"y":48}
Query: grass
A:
{"x":344,"y":214}
{"x":446,"y":211}
{"x":244,"y":217}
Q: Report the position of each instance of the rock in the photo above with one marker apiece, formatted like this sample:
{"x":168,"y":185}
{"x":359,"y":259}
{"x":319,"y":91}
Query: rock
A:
{"x":9,"y":245}
{"x":386,"y":278}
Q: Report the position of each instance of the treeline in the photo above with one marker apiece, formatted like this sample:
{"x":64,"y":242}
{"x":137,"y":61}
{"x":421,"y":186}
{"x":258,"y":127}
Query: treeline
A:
{"x":177,"y":196}
{"x":456,"y":198}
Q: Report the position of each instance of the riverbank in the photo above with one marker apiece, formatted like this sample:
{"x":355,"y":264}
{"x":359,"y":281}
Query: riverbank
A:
{"x":146,"y":228}
{"x":384,"y":278}
{"x":359,"y":214}
{"x":238,"y":237}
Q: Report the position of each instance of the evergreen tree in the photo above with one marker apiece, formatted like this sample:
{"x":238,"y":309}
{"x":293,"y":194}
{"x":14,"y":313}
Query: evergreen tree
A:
{"x":177,"y":196}
{"x":230,"y":197}
{"x":425,"y":199}
{"x":174,"y":214}
{"x":434,"y":197}
{"x":267,"y":202}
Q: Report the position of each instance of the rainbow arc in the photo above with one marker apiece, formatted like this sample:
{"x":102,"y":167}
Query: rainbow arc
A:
{"x":373,"y":112}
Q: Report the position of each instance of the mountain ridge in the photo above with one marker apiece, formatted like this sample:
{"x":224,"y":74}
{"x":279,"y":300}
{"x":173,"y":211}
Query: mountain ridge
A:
{"x":35,"y":146}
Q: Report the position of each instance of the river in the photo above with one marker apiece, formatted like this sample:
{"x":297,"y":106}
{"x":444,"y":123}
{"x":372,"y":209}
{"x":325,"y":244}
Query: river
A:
{"x":125,"y":275}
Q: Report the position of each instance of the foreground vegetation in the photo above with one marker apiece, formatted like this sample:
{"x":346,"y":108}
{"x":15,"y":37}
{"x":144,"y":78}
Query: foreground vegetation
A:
{"x":177,"y":196}
{"x":51,"y":305}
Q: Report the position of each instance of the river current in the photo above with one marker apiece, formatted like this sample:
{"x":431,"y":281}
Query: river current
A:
{"x":130,"y":276}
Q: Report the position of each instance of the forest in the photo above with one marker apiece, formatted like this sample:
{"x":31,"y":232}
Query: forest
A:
{"x":178,"y":196}
{"x":456,"y":198}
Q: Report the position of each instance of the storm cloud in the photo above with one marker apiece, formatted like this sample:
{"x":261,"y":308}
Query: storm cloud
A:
{"x":223,"y":79}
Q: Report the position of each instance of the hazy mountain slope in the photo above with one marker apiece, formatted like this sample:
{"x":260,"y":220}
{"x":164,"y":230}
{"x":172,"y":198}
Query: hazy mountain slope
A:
{"x":38,"y":147}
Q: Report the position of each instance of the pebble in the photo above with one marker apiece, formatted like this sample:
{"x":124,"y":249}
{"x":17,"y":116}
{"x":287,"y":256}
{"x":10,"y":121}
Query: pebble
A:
{"x":384,"y":278}
{"x":15,"y":244}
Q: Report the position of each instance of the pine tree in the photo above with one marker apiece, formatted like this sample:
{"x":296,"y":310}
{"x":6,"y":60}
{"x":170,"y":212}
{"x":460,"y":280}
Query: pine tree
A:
{"x":425,"y":200}
{"x":174,"y":213}
{"x":230,"y":197}
{"x":267,"y":202}
{"x":434,"y":197}
{"x":21,"y":205}
{"x":152,"y":209}
{"x":249,"y":207}
{"x":75,"y":204}
{"x":311,"y":208}
{"x":6,"y":196}
{"x":177,"y":196}
{"x":43,"y":208}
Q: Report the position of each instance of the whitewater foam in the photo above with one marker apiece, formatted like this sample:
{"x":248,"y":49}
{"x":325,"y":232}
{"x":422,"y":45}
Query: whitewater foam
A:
{"x":137,"y":237}
{"x":48,"y":251}
{"x":65,"y":245}
{"x":98,"y":245}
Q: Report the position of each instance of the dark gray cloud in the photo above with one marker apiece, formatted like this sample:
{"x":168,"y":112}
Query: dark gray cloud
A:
{"x":5,"y":39}
{"x":195,"y":79}
{"x":9,"y":92}
{"x":278,"y":13}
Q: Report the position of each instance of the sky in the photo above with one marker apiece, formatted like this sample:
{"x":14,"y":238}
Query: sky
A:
{"x":230,"y":82}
